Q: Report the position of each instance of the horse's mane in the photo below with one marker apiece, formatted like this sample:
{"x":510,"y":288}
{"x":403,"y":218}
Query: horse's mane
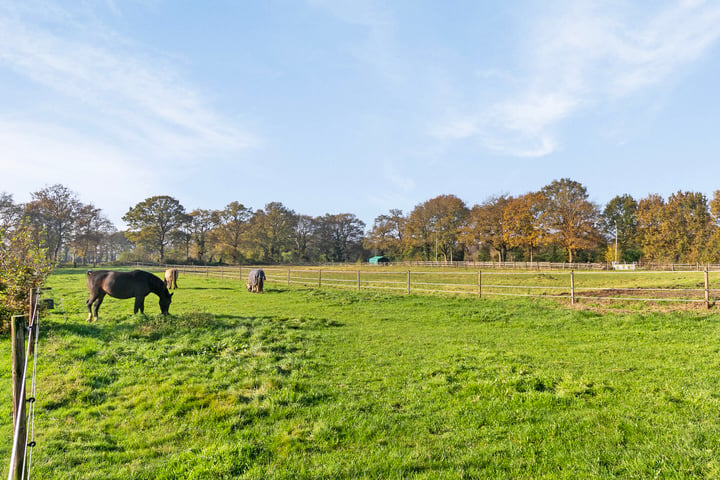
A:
{"x":157,"y":286}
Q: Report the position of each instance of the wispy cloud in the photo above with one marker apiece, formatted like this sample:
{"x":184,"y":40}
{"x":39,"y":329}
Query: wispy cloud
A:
{"x":580,"y":55}
{"x":39,"y":154}
{"x":137,"y":100}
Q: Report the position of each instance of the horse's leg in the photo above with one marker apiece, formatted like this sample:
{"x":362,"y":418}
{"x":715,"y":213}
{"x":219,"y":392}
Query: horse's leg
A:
{"x":98,"y":302}
{"x":90,"y":301}
{"x":139,"y":304}
{"x":89,"y":304}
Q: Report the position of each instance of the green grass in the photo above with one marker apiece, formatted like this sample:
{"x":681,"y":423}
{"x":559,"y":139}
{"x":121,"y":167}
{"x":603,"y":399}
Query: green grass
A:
{"x":307,"y":383}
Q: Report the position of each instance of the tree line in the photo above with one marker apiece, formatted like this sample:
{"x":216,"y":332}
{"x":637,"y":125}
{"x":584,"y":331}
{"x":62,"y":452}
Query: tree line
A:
{"x":556,"y":223}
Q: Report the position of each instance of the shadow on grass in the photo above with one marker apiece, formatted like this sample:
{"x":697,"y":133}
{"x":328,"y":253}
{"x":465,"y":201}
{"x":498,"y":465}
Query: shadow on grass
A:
{"x":87,"y":329}
{"x":153,"y":327}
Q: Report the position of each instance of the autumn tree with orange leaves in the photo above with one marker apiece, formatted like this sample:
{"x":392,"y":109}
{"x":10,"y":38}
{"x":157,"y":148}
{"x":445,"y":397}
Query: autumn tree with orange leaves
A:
{"x":523,"y":219}
{"x":571,"y":220}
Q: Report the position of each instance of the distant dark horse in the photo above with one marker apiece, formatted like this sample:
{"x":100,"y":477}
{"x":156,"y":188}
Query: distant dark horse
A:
{"x":137,"y":283}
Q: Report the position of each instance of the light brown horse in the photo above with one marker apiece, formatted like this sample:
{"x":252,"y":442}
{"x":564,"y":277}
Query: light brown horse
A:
{"x":137,"y":283}
{"x":171,"y":276}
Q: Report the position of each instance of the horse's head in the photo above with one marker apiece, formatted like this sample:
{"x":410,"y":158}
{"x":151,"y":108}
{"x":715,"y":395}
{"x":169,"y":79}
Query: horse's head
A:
{"x":165,"y":303}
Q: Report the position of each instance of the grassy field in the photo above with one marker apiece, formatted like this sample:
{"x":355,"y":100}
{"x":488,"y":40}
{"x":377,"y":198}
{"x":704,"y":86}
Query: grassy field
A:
{"x":308,"y":383}
{"x":620,"y":290}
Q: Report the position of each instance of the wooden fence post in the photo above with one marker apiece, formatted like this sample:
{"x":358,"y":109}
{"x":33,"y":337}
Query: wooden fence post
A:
{"x":707,"y":289}
{"x":479,"y":284}
{"x":19,"y":322}
{"x":358,"y":280}
{"x":319,"y":278}
{"x":408,"y":282}
{"x":572,"y":287}
{"x":33,"y":301}
{"x":34,"y":293}
{"x":288,"y":279}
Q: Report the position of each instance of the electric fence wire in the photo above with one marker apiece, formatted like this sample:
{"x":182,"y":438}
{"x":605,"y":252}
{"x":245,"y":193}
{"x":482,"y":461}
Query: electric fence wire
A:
{"x":13,"y":456}
{"x":34,"y":335}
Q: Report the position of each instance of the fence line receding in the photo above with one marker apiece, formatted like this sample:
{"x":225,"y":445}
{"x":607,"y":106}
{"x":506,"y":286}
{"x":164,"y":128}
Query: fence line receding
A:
{"x":679,"y":286}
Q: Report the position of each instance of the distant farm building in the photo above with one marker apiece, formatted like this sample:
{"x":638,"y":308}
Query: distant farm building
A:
{"x":378,"y":259}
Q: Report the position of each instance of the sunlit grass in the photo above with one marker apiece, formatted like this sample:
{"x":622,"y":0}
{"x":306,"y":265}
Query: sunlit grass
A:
{"x":326,"y":383}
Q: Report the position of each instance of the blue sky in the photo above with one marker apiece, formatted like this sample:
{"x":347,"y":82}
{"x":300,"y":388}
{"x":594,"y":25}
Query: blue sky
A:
{"x":339,"y":106}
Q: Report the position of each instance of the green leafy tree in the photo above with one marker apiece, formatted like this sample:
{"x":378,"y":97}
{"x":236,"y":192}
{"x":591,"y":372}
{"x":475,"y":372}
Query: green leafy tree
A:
{"x":304,"y":232}
{"x":201,"y":224}
{"x":272,"y":231}
{"x":91,"y":229}
{"x":619,"y":220}
{"x":339,"y":236}
{"x":10,"y":212}
{"x":387,"y":236}
{"x":53,"y":212}
{"x":232,"y":225}
{"x":23,"y":267}
{"x":152,"y":222}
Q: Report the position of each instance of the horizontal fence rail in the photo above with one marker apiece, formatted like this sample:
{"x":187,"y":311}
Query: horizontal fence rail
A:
{"x":667,"y":286}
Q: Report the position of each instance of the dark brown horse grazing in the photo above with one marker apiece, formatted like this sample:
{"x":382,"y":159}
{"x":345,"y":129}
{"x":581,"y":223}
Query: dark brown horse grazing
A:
{"x":137,"y":283}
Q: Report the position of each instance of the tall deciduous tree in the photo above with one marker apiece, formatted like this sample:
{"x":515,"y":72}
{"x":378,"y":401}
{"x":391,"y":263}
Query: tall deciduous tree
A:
{"x":53,"y":211}
{"x":433,"y":227}
{"x":153,"y":220}
{"x":305,"y":229}
{"x":689,"y":226}
{"x":571,"y":219}
{"x":387,"y":236}
{"x":486,"y":226}
{"x":201,"y":223}
{"x":232,"y":223}
{"x":272,"y":231}
{"x":714,"y":246}
{"x":523,"y":219}
{"x":10,"y":213}
{"x":619,"y":220}
{"x":91,"y":229}
{"x":339,"y":236}
{"x":651,"y":218}
{"x":678,"y":230}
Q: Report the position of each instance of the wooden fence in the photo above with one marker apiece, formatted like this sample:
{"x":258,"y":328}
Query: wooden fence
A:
{"x":690,"y":286}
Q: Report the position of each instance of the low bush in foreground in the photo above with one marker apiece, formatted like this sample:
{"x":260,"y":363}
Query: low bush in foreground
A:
{"x":304,"y":383}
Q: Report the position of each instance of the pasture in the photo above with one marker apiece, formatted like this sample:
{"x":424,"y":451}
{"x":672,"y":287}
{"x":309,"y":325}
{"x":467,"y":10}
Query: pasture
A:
{"x":306,"y":383}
